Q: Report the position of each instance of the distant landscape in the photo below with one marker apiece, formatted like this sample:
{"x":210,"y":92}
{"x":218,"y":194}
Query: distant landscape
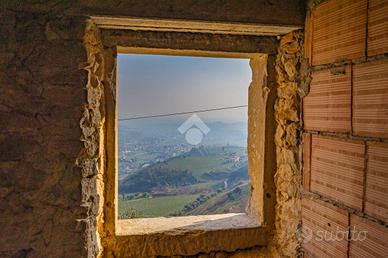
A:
{"x":160,"y":174}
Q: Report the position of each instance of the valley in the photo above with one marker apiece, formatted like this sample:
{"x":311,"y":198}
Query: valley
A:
{"x":164,"y":176}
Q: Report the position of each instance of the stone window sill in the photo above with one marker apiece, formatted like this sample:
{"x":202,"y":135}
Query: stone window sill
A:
{"x":187,"y":223}
{"x":187,"y":235}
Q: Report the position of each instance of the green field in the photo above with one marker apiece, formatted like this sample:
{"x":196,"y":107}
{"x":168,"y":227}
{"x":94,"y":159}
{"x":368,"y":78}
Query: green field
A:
{"x":156,"y":207}
{"x":197,"y":165}
{"x":197,"y":182}
{"x":224,"y":202}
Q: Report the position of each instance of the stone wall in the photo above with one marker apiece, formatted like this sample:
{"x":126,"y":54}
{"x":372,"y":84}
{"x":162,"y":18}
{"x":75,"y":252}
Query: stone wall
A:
{"x":274,"y":12}
{"x":42,"y":99}
{"x":345,"y":140}
{"x":52,"y":102}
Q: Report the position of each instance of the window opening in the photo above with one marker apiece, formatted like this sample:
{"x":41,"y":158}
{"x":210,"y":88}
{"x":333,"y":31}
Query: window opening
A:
{"x":182,"y":135}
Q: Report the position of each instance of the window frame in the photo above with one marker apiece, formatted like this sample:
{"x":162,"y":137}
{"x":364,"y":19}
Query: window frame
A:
{"x":261,"y":160}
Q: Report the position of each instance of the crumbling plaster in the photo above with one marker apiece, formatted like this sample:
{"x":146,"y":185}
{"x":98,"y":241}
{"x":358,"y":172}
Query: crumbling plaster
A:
{"x":291,"y":86}
{"x":92,"y":158}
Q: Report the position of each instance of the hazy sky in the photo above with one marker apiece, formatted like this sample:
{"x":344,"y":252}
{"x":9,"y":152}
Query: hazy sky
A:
{"x":156,"y":84}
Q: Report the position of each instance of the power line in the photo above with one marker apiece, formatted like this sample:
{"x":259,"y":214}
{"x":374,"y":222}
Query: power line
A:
{"x":181,"y":113}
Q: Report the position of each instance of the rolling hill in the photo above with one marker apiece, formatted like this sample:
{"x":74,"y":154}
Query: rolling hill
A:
{"x":204,"y":180}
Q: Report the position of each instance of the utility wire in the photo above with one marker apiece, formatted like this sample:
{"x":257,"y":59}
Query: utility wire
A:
{"x":181,"y":113}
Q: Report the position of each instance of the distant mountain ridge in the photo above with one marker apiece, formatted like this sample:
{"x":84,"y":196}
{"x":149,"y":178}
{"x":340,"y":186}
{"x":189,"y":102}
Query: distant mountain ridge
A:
{"x":221,"y":133}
